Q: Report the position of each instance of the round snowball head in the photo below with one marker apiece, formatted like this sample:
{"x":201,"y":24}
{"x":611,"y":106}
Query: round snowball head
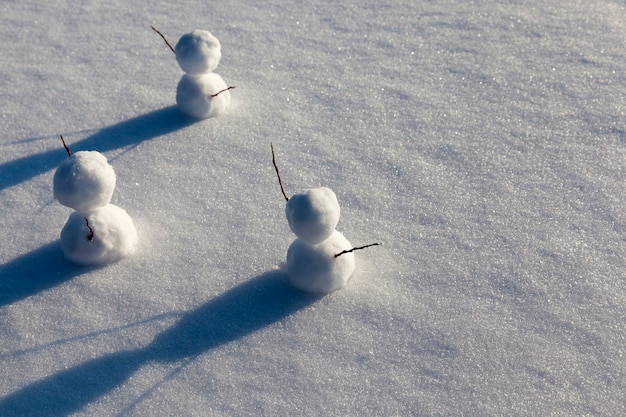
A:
{"x":315,"y":269}
{"x":112,"y":236}
{"x":198,"y":52}
{"x":84,"y":181}
{"x":194,"y":95}
{"x":313,"y":214}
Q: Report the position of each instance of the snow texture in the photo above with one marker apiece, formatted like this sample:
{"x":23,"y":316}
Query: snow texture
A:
{"x":313,"y":214}
{"x":194,"y":95}
{"x":98,"y":237}
{"x":84,"y":181}
{"x":198,"y":52}
{"x":483,"y":142}
{"x":314,"y":268}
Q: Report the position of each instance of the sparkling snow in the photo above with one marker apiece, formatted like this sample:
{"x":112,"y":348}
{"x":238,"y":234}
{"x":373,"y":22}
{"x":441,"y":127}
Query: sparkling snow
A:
{"x":484,"y":142}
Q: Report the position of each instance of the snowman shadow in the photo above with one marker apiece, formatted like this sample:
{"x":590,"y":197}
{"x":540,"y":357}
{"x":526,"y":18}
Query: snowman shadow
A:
{"x":132,"y":131}
{"x":239,"y":312}
{"x":34,"y":272}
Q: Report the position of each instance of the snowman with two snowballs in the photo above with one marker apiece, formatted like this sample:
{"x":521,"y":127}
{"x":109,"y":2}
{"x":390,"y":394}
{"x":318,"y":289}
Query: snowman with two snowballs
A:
{"x":320,"y":260}
{"x":313,"y":264}
{"x":97,"y":232}
{"x":201,"y":93}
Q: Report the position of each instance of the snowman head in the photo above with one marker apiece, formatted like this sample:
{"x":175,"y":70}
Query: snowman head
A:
{"x":313,"y":214}
{"x":198,"y":52}
{"x":84,"y":181}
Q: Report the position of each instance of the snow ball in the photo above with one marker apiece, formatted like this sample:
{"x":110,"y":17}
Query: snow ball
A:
{"x":315,"y":269}
{"x":194,"y":92}
{"x":84,"y":181}
{"x":313,"y":214}
{"x":114,"y":236}
{"x":198,"y":52}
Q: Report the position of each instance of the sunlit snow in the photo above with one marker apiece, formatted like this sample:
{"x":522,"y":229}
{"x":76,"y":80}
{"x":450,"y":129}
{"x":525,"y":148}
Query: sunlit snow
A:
{"x":482,"y":142}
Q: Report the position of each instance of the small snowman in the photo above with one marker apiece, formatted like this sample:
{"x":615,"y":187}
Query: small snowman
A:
{"x":320,"y":260}
{"x":97,"y":232}
{"x":201,"y":93}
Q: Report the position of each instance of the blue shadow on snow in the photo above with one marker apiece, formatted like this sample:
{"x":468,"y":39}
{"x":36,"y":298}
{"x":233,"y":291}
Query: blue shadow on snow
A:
{"x":34,"y":272}
{"x":240,"y":311}
{"x":138,"y":129}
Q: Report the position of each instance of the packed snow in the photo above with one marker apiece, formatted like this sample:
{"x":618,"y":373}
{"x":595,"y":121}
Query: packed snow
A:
{"x":196,"y":95}
{"x":84,"y":181}
{"x":101,"y":236}
{"x":313,"y":214}
{"x":317,"y":268}
{"x":483,"y":142}
{"x":198,"y":52}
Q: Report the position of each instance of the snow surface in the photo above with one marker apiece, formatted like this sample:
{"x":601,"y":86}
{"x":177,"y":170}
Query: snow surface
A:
{"x":483,"y":142}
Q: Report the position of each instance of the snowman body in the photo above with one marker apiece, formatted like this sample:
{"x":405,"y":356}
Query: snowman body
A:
{"x":312,"y":262}
{"x":194,"y":91}
{"x":200,"y":93}
{"x":97,"y":232}
{"x":101,"y":236}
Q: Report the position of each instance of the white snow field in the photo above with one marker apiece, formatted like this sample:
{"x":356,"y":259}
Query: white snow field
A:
{"x":482,"y":142}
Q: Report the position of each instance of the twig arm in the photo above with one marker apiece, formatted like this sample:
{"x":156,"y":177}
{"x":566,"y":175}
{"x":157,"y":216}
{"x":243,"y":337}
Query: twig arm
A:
{"x":221,"y":91}
{"x":353,"y":249}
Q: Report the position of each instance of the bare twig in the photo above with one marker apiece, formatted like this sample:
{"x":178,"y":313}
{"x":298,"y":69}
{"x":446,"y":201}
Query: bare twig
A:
{"x":353,"y":249}
{"x":165,"y":39}
{"x":280,"y":181}
{"x":91,"y":234}
{"x":69,"y":153}
{"x":221,"y":91}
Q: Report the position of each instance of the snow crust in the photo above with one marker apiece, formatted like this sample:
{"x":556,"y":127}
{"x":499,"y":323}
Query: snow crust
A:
{"x":83,"y":181}
{"x":112,"y":236}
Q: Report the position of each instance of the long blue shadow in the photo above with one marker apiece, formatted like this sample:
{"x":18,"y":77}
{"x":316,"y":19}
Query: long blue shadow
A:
{"x":138,"y":129}
{"x":34,"y":272}
{"x":241,"y":311}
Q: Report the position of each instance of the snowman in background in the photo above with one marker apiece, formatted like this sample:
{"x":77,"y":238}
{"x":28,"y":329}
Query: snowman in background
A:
{"x":201,"y":93}
{"x":320,"y":260}
{"x":97,"y":232}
